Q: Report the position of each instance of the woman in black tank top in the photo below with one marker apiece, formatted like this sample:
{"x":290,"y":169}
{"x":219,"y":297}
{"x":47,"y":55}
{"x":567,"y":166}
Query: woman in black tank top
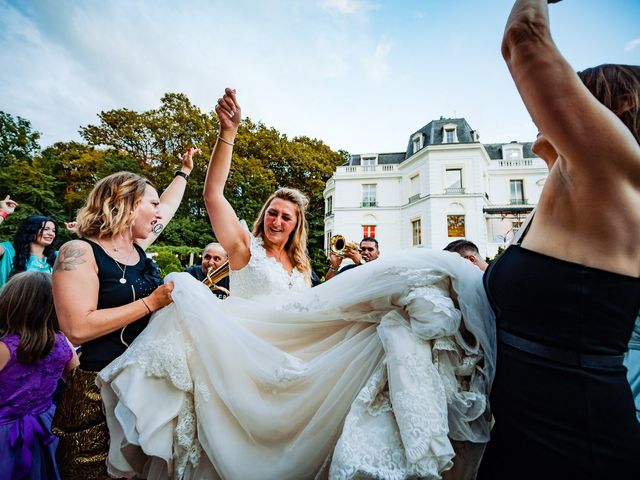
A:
{"x":567,"y":294}
{"x":105,"y":290}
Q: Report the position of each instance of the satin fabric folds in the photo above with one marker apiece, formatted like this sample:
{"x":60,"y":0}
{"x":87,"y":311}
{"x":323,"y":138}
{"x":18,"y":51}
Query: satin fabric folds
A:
{"x":369,"y":373}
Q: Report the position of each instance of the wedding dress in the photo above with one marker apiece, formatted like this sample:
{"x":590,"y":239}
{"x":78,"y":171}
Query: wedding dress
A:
{"x":369,"y":375}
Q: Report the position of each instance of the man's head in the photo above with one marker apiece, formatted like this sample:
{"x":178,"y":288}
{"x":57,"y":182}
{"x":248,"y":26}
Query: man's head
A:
{"x":468,"y":250}
{"x":369,"y":249}
{"x":213,"y":255}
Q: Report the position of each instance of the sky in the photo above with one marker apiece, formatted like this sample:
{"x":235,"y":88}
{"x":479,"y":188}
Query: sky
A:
{"x":361,"y":75}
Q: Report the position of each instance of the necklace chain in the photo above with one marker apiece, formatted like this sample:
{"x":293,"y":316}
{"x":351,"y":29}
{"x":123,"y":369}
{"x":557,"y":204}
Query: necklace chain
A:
{"x":122,"y":280}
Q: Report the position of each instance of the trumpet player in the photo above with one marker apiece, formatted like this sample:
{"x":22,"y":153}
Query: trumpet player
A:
{"x":213,"y":256}
{"x":368,"y":251}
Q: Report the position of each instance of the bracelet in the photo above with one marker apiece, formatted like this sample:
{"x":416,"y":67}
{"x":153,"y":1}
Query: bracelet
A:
{"x":225,"y":141}
{"x":180,"y":173}
{"x":145,"y":304}
{"x":331,"y":267}
{"x":4,"y":214}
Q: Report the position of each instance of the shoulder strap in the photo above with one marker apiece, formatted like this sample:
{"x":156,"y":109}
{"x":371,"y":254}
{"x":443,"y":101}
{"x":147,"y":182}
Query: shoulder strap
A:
{"x":522,"y":231}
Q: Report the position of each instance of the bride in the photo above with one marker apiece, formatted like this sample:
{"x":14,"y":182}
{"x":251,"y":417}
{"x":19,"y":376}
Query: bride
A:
{"x":379,"y":373}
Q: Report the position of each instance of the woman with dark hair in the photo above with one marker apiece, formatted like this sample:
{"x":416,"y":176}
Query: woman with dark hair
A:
{"x":567,"y":293}
{"x":33,"y":248}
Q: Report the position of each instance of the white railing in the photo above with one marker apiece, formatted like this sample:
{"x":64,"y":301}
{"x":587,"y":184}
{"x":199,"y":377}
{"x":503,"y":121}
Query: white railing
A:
{"x":523,"y":162}
{"x":367,"y":168}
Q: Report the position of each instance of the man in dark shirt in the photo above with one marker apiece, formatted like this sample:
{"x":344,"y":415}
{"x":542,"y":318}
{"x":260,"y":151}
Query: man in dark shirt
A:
{"x":368,"y":252}
{"x":214,"y":256}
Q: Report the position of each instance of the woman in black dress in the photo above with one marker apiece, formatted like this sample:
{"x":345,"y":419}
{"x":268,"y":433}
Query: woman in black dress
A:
{"x":105,"y":289}
{"x":567,"y":294}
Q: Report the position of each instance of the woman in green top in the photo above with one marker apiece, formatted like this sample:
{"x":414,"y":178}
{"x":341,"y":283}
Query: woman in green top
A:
{"x":32,"y":249}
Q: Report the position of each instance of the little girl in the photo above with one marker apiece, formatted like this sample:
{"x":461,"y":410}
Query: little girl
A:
{"x":33,"y":356}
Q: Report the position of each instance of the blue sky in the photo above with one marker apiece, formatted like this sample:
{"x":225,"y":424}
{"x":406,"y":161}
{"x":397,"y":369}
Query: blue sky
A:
{"x":362,"y":75}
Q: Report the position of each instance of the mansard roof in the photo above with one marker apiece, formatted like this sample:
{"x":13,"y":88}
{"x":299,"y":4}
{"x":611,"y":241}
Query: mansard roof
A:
{"x":432,"y":134}
{"x":383,"y":158}
{"x":494,"y":150}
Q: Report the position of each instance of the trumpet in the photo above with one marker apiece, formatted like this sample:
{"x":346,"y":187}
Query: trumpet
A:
{"x":213,"y":277}
{"x":339,"y":246}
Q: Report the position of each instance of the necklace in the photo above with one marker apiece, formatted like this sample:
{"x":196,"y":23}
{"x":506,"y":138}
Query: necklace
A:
{"x":122,"y":280}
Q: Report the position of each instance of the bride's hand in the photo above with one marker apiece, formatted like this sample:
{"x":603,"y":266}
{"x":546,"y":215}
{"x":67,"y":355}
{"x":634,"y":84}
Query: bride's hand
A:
{"x":160,"y":297}
{"x":228,"y":112}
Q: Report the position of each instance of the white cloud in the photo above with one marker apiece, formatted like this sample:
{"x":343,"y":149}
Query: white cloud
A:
{"x":631,"y":45}
{"x":349,"y":7}
{"x":377,"y":65}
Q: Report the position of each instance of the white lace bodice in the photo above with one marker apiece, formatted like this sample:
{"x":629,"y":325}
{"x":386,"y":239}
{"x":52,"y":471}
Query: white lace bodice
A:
{"x":264,"y":276}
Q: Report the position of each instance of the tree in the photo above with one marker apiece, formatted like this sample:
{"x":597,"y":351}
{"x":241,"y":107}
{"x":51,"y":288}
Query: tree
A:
{"x":18,"y":142}
{"x":74,"y":166}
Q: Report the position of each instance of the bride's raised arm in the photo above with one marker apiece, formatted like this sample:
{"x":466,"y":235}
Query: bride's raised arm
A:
{"x":226,"y":226}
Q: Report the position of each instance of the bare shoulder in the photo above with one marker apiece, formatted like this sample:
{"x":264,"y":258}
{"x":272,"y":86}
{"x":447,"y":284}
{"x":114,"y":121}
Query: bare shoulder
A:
{"x":73,"y":255}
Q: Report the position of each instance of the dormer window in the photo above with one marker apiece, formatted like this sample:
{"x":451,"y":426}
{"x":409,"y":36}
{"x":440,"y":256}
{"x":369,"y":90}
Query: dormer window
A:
{"x":369,"y":162}
{"x":417,"y":142}
{"x":450,"y":133}
{"x":512,"y":151}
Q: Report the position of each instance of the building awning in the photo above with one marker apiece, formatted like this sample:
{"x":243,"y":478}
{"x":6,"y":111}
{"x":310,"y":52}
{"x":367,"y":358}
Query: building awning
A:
{"x":507,"y":209}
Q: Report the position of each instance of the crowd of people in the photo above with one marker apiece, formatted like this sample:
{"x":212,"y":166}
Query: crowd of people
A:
{"x":416,"y":364}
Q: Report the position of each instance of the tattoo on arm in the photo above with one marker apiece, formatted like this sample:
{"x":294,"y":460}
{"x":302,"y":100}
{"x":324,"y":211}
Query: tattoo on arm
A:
{"x":68,"y":258}
{"x":157,"y":228}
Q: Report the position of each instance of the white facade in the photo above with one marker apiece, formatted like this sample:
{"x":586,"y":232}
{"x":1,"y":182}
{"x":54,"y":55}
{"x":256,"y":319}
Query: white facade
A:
{"x":448,"y":189}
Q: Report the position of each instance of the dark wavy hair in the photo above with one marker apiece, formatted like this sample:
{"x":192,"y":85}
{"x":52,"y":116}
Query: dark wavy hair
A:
{"x":27,"y":232}
{"x":26,"y":309}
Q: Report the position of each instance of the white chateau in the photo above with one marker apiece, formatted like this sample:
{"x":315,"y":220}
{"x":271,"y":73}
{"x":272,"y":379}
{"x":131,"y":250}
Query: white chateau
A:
{"x":445,"y":186}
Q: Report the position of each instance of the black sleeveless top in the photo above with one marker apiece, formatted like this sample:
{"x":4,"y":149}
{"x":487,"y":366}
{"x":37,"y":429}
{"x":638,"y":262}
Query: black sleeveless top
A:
{"x":556,"y":419}
{"x":561,"y":303}
{"x":142,"y":279}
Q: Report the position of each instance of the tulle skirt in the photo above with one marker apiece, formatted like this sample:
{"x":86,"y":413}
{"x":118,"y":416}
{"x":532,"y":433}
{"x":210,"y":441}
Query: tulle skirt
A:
{"x":372,"y":373}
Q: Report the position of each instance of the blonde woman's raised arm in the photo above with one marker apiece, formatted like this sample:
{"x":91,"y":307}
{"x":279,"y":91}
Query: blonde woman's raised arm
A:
{"x":171,"y":197}
{"x":226,"y":226}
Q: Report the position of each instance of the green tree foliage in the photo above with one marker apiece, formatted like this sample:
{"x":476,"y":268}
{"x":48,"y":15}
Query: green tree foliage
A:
{"x":18,"y":142}
{"x":57,"y":181}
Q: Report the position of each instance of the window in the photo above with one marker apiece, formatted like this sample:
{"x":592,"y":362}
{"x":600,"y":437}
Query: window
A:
{"x":516,"y":189}
{"x":329,"y":206}
{"x":513,"y":154}
{"x":368,"y":161}
{"x":453,"y":181}
{"x":328,"y":238}
{"x":369,"y":231}
{"x":369,"y":195}
{"x":417,"y":142}
{"x":515,"y":226}
{"x":415,"y":185}
{"x":416,"y":229}
{"x":449,"y":133}
{"x":455,"y":226}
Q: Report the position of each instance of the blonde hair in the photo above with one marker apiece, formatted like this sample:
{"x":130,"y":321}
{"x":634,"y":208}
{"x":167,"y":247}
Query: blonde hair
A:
{"x":111,"y":206}
{"x":296,"y":246}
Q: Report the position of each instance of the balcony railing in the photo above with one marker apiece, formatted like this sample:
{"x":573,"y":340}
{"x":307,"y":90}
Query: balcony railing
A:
{"x":367,"y":168}
{"x":454,"y":191}
{"x":518,"y":201}
{"x":522,"y":162}
{"x":369,"y":203}
{"x":414,"y":198}
{"x":328,"y":214}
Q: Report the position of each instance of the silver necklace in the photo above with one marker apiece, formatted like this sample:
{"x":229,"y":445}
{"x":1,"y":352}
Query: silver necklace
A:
{"x":123,"y":270}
